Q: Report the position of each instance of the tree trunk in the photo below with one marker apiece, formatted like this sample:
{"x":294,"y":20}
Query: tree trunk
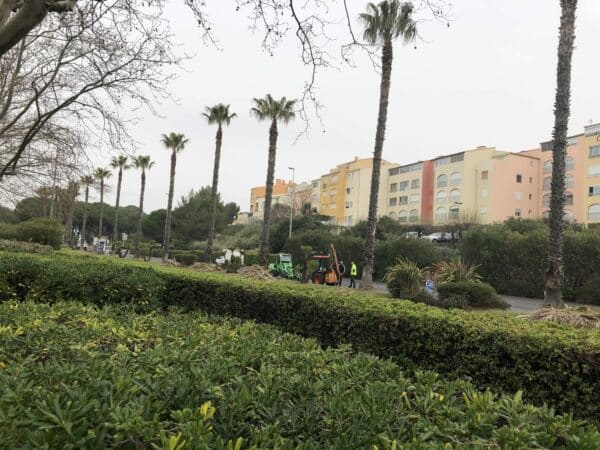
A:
{"x":264,"y":237}
{"x":85,"y":214}
{"x":140,"y":218}
{"x":15,"y":28}
{"x":101,"y":208}
{"x":384,"y":93}
{"x":167,"y":236}
{"x":115,"y":237}
{"x":213,"y":194}
{"x":69,"y":224}
{"x":555,"y":273}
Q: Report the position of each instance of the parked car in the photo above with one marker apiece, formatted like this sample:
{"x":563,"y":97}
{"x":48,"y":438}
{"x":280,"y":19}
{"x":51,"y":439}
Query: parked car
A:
{"x":411,"y":234}
{"x":438,"y":237}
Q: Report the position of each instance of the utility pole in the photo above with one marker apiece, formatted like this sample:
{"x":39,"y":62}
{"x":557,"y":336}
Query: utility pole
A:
{"x":293,"y":198}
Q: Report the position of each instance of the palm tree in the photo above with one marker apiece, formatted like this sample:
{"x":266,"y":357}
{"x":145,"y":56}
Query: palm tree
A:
{"x":101,"y":174}
{"x":69,"y":197}
{"x":143,"y":163}
{"x":220,"y":115}
{"x":87,"y":181}
{"x":268,"y":108}
{"x":118,"y":162}
{"x":383,"y":24}
{"x":176,"y":143}
{"x":555,"y":274}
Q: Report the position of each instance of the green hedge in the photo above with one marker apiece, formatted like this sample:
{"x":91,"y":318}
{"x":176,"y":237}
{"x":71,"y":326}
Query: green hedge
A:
{"x":77,"y":377}
{"x":512,"y":257}
{"x":552,"y":363}
{"x":476,"y":295}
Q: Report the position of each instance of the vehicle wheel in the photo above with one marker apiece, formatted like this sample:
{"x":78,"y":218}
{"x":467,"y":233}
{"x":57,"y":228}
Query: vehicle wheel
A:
{"x":275,"y":273}
{"x":434,"y":240}
{"x":318,"y":278}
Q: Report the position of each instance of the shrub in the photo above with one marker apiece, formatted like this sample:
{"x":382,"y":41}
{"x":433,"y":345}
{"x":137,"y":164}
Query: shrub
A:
{"x":24,"y":247}
{"x":185,"y":258}
{"x":497,"y":350}
{"x":81,"y":377}
{"x":477,"y":294}
{"x":455,"y":270}
{"x":8,"y":231}
{"x":590,"y":291}
{"x":41,"y":230}
{"x":421,"y":251}
{"x":405,"y":278}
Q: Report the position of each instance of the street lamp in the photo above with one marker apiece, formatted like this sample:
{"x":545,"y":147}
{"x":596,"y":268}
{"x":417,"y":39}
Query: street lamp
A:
{"x":293,"y":169}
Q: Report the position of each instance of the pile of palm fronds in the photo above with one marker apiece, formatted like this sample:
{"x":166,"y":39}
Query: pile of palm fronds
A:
{"x":580,"y":316}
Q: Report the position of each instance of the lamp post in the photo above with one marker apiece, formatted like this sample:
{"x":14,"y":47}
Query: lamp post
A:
{"x":292,"y":199}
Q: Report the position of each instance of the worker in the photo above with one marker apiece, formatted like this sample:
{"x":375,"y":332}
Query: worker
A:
{"x":341,"y":271}
{"x":353,"y":274}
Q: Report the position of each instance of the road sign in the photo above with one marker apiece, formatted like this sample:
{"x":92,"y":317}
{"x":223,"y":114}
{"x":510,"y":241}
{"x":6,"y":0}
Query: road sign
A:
{"x":429,"y":286}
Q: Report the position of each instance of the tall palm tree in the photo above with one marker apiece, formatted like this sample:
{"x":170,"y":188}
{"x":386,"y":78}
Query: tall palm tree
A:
{"x":118,"y":162}
{"x":383,"y":23}
{"x":101,"y":174}
{"x":87,"y":181}
{"x":143,"y":163}
{"x":220,"y":115}
{"x":282,"y":110}
{"x":69,"y":197}
{"x":555,"y":274}
{"x":176,"y":143}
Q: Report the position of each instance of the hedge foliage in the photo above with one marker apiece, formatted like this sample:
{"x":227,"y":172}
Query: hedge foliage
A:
{"x":76,"y":376}
{"x":41,"y":230}
{"x":552,"y":363}
{"x":512,"y":257}
{"x":474,"y":294}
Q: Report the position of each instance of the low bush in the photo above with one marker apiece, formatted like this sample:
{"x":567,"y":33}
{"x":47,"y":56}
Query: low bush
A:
{"x":551,"y":363}
{"x":405,"y":278}
{"x":590,"y":291}
{"x":454,"y":270}
{"x":106,"y":378}
{"x":24,"y":247}
{"x":8,"y":231}
{"x":421,"y":251}
{"x":41,"y":230}
{"x":478,"y":295}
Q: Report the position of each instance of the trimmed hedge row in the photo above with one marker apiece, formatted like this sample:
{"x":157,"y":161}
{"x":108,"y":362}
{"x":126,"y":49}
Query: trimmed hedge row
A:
{"x":79,"y":377}
{"x":551,"y":363}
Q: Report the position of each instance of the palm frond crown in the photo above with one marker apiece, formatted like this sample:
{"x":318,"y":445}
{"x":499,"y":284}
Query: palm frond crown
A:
{"x":268,"y":108}
{"x":102,"y":173}
{"x":387,"y":21}
{"x":143,"y":162}
{"x":218,"y":114}
{"x":87,"y":180}
{"x":119,"y":162}
{"x":174,"y":141}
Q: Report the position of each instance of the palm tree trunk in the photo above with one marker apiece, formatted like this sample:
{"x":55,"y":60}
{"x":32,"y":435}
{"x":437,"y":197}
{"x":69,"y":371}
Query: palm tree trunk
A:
{"x":167,"y":237}
{"x":85,"y":214}
{"x":555,"y":274}
{"x":140,"y":218}
{"x":384,"y":94}
{"x":69,"y":224}
{"x":264,"y":237}
{"x":116,"y":222}
{"x":101,"y":208}
{"x":214,"y":193}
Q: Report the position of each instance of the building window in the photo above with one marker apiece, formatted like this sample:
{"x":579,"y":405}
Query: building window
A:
{"x":594,"y":212}
{"x":594,"y":191}
{"x":334,"y":179}
{"x":403,"y":200}
{"x":568,"y":215}
{"x":594,"y":171}
{"x":530,"y":180}
{"x":455,"y":196}
{"x":547,"y":183}
{"x":403,"y":185}
{"x":333,"y":192}
{"x":442,"y":181}
{"x":415,"y":198}
{"x":484,"y":175}
{"x":442,"y":161}
{"x":454,"y":213}
{"x":440,"y":214}
{"x":519,"y":178}
{"x":413,"y":216}
{"x":347,"y":190}
{"x":546,"y":200}
{"x":415,"y":184}
{"x":394,"y":171}
{"x":529,"y":196}
{"x":457,"y":158}
{"x":394,"y":187}
{"x":403,"y":216}
{"x":568,"y":198}
{"x":333,"y":206}
{"x":441,"y":197}
{"x":483,"y":210}
{"x":548,"y":166}
{"x":569,"y":180}
{"x":518,"y":212}
{"x":455,"y":179}
{"x":570,"y":163}
{"x":595,"y":151}
{"x":348,"y":205}
{"x":518,"y":196}
{"x":484,"y":193}
{"x":393,"y":201}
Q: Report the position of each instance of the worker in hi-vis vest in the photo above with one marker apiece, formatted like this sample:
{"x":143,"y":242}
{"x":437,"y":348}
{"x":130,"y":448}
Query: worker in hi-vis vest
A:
{"x":353,"y":274}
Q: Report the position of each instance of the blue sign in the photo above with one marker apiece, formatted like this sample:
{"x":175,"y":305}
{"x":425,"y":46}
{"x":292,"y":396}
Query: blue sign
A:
{"x":429,"y":286}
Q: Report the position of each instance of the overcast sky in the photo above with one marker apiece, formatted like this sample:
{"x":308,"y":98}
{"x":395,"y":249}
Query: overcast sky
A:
{"x":488,"y":79}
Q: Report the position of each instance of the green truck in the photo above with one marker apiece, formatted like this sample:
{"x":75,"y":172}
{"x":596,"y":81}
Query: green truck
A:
{"x":283,"y":267}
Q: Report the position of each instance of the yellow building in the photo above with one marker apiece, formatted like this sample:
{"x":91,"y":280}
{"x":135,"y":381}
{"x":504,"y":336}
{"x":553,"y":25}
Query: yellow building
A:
{"x":591,"y":194}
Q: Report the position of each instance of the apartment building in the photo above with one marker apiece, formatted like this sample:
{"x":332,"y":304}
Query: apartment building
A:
{"x":591,"y":194}
{"x":281,"y":195}
{"x":408,"y":193}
